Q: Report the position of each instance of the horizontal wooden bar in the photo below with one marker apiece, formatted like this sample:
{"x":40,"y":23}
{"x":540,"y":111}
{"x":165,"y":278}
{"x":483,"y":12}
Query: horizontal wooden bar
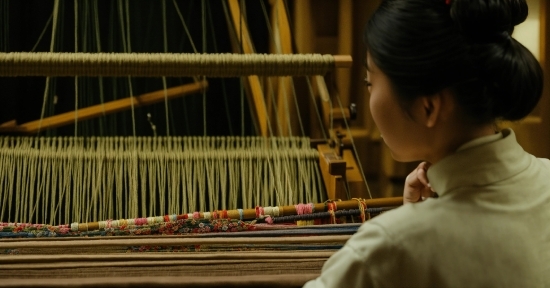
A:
{"x":104,"y":109}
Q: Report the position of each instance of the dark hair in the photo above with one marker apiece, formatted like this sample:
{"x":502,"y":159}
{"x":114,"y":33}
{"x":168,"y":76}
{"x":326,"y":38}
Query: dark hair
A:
{"x":424,"y":46}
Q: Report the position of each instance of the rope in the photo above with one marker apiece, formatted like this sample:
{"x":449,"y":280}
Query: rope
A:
{"x":162,"y":64}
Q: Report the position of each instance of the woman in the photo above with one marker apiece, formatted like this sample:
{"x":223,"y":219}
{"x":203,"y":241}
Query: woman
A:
{"x":440,"y":74}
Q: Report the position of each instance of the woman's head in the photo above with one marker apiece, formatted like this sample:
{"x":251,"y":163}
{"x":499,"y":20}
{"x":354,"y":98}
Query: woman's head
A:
{"x":425,"y":46}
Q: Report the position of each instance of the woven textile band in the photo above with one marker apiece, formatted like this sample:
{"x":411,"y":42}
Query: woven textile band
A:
{"x":162,"y":64}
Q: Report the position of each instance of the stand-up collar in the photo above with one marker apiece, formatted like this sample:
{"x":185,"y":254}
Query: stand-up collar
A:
{"x":479,"y":164}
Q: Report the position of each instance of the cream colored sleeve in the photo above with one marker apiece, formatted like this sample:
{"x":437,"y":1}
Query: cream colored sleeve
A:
{"x":364,"y":261}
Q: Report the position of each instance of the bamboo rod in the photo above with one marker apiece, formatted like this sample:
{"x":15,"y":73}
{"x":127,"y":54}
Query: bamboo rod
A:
{"x":249,"y":214}
{"x":104,"y":109}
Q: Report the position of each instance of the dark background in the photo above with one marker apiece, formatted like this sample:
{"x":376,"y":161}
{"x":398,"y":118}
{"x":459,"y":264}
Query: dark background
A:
{"x":22,"y":98}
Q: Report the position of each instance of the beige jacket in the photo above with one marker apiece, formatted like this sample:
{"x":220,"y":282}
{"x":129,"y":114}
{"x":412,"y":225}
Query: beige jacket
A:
{"x":490,"y":227}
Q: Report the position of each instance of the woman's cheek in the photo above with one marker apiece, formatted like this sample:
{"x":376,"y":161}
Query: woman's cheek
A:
{"x":377,"y":111}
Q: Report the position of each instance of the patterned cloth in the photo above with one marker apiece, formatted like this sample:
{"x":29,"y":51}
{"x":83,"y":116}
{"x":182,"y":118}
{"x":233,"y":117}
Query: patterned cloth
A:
{"x":178,"y":227}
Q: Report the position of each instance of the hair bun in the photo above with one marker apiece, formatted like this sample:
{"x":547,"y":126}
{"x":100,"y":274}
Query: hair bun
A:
{"x":479,"y":18}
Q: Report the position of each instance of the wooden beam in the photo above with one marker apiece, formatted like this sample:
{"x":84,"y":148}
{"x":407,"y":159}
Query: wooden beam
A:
{"x":110,"y":107}
{"x":281,"y":43}
{"x":255,"y":95}
{"x":333,"y":170}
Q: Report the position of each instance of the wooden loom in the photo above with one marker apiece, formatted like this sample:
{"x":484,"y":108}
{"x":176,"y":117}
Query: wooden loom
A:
{"x":161,"y":267}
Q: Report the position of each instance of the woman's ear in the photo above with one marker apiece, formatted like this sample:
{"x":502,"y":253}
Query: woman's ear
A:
{"x":431,"y":109}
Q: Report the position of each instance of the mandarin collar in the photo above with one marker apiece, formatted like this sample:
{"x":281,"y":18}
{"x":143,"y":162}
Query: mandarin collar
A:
{"x":485,"y":163}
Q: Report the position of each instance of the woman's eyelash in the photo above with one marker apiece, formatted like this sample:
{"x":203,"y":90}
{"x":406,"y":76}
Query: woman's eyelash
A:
{"x":367,"y":83}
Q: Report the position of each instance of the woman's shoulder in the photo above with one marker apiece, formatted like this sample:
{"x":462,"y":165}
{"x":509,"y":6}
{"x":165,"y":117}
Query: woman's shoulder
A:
{"x":545,"y":163}
{"x":403,"y":222}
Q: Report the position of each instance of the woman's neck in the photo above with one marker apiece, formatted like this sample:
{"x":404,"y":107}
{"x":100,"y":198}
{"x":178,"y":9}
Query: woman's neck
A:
{"x":448,"y":140}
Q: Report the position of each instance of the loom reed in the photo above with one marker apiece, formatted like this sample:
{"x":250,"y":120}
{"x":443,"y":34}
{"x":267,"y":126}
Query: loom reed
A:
{"x":67,"y":179}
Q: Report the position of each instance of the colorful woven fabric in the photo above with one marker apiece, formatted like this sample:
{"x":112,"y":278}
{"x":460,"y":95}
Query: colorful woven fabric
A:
{"x":178,"y":227}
